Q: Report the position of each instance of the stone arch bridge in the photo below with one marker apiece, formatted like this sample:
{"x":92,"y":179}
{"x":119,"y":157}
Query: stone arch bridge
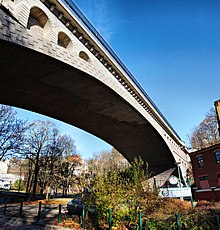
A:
{"x":55,"y":63}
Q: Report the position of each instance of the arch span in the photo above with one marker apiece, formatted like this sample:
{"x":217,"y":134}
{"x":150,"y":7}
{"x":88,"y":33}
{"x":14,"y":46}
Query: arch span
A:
{"x":83,"y":85}
{"x":45,"y":85}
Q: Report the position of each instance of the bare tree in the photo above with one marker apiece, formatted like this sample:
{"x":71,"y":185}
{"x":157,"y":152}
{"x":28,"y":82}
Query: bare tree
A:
{"x":206,"y":133}
{"x":105,"y":160}
{"x":59,"y":164}
{"x":101,"y":163}
{"x":67,"y":169}
{"x":48,"y":157}
{"x":11,"y":132}
{"x":68,"y":162}
{"x":38,"y":141}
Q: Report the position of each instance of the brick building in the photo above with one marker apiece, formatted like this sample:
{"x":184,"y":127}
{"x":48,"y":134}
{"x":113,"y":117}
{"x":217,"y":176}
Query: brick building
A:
{"x":206,"y":171}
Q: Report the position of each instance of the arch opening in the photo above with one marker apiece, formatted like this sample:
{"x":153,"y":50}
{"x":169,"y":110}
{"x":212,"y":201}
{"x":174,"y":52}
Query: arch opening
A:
{"x":37,"y":18}
{"x":84,"y":55}
{"x":63,"y":40}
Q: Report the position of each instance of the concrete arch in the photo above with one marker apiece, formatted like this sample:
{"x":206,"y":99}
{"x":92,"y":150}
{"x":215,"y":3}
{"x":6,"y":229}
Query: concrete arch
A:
{"x":68,"y":94}
{"x":87,"y":95}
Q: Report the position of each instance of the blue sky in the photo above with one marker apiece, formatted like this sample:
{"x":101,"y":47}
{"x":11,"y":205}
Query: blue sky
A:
{"x":173,"y":50}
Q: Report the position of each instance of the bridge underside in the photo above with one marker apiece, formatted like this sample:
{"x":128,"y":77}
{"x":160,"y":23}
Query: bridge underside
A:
{"x":42,"y":84}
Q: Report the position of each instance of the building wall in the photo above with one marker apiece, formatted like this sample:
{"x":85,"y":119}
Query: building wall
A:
{"x":206,"y":171}
{"x":4,"y":166}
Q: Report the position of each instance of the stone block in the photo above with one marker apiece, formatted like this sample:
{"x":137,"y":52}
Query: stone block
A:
{"x":5,"y":31}
{"x":18,"y":29}
{"x":30,"y":41}
{"x":12,"y":28}
{"x":13,"y":39}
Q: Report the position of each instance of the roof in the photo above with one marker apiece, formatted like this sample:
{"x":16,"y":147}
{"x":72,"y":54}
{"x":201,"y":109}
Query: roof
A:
{"x":205,"y":149}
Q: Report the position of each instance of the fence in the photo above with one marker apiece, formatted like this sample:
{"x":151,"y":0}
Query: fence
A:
{"x":32,"y":213}
{"x":48,"y":213}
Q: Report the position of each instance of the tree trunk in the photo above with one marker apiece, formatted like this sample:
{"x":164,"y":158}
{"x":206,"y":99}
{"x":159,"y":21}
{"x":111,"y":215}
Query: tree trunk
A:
{"x":36,"y":171}
{"x":28,"y":182}
{"x":29,"y":178}
{"x":35,"y":180}
{"x":41,"y":191}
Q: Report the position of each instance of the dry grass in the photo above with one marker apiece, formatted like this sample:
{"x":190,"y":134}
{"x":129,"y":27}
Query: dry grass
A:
{"x":57,"y":201}
{"x":162,"y":208}
{"x":68,"y":223}
{"x":207,"y":205}
{"x":178,"y":205}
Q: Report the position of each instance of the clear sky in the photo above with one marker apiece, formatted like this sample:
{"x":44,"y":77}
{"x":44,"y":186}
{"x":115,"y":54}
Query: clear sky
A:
{"x":173,"y":50}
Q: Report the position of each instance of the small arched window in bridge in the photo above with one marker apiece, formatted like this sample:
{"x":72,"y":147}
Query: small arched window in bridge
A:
{"x":63,"y":40}
{"x":84,"y":55}
{"x":37,"y":18}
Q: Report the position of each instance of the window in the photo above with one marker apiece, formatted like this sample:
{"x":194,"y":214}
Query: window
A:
{"x":200,"y":161}
{"x":217,"y":156}
{"x":203,"y":182}
{"x":203,"y":178}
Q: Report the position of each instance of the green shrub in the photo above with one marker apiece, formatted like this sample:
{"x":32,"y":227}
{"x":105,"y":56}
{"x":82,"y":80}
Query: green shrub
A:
{"x":192,"y":221}
{"x":120,"y":190}
{"x":200,"y":220}
{"x":18,"y":185}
